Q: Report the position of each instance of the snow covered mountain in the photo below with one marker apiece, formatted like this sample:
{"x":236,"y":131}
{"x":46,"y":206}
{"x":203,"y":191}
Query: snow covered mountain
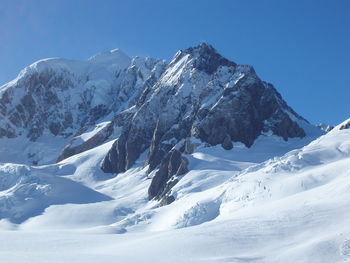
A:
{"x":55,"y":99}
{"x":147,"y":105}
{"x":196,"y":91}
{"x":197,"y":155}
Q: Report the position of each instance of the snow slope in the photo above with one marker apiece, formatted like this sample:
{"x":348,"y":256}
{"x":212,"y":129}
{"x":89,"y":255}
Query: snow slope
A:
{"x":286,"y":209}
{"x":26,"y":192}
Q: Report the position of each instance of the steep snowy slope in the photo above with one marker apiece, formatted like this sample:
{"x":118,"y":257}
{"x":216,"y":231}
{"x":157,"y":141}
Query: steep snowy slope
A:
{"x":317,"y":173}
{"x":209,"y":167}
{"x":25,"y":192}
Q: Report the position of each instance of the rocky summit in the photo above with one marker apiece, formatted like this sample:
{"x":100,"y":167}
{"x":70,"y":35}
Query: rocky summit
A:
{"x":147,"y":106}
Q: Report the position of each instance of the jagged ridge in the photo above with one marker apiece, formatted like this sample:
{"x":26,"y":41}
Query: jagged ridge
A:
{"x":205,"y":96}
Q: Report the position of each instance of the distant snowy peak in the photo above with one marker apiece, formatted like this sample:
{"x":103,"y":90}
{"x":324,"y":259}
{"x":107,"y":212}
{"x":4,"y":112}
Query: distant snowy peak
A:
{"x":324,"y":127}
{"x":115,"y":56}
{"x":102,"y":62}
{"x":62,"y":96}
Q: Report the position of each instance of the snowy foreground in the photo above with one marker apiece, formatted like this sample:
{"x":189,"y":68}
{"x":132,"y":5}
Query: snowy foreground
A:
{"x":233,"y":206}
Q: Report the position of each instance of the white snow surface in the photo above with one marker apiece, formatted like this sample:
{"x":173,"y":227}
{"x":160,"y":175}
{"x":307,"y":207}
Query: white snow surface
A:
{"x":242,"y":205}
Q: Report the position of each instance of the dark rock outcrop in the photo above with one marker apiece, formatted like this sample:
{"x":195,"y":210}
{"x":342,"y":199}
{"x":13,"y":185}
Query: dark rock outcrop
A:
{"x":96,"y":140}
{"x":115,"y":158}
{"x":207,"y":59}
{"x":172,"y":166}
{"x":227,"y":143}
{"x":345,"y":126}
{"x":166,"y":200}
{"x":39,"y":108}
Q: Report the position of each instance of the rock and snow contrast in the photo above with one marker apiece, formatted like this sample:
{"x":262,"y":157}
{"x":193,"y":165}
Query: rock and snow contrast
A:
{"x":195,"y":160}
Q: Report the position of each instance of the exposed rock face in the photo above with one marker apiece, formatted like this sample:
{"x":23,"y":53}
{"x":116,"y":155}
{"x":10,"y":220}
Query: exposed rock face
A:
{"x":33,"y":105}
{"x":166,"y":200}
{"x":227,"y":143}
{"x":115,"y":159}
{"x":172,"y":166}
{"x":188,"y":146}
{"x":244,"y":111}
{"x":208,"y":60}
{"x":345,"y":126}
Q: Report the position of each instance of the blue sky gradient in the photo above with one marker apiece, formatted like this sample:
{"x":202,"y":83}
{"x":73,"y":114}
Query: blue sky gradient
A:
{"x":302,"y":47}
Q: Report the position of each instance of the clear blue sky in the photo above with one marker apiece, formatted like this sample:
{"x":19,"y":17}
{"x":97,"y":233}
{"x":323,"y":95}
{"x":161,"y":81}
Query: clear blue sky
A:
{"x":302,"y":47}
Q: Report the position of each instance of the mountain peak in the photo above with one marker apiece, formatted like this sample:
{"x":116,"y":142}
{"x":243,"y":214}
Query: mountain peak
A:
{"x":115,"y":55}
{"x":201,"y":49}
{"x":206,"y":58}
